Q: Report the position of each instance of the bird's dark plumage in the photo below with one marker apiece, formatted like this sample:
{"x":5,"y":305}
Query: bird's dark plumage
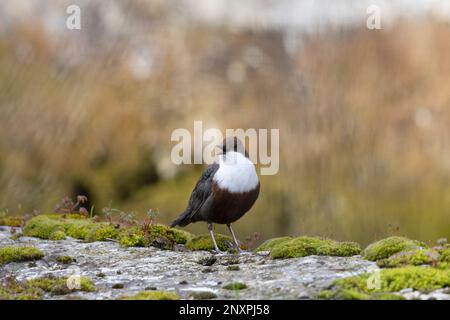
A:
{"x":201,"y":192}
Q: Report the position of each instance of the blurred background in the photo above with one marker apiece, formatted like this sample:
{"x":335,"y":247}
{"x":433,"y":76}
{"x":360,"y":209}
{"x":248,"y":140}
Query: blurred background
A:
{"x":363,"y":114}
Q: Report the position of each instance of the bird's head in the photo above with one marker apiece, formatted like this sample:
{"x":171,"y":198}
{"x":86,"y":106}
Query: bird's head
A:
{"x":232,"y":144}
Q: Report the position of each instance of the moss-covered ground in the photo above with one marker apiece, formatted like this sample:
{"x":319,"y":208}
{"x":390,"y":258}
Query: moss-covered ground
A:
{"x":153,"y":295}
{"x":35,"y":289}
{"x":286,"y":247}
{"x":19,"y":254}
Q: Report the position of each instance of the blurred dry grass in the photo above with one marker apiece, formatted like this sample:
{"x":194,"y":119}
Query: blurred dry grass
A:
{"x":363,"y":115}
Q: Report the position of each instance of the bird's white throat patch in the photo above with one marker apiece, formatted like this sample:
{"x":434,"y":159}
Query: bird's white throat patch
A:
{"x":236,"y":173}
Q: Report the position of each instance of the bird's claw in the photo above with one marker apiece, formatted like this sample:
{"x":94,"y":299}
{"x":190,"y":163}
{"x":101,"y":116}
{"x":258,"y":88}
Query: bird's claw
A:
{"x":243,"y":252}
{"x":219,"y":252}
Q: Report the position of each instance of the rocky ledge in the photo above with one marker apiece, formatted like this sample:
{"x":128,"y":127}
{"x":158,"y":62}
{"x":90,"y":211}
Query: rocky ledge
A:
{"x":282,"y":268}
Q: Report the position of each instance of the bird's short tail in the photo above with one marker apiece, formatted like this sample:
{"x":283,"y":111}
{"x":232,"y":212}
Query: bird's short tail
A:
{"x":182,"y":220}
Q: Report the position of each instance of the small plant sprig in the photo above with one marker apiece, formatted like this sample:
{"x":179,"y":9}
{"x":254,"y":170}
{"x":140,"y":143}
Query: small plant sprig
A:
{"x":149,"y":220}
{"x":152,"y":214}
{"x":125,"y":218}
{"x":67,"y":205}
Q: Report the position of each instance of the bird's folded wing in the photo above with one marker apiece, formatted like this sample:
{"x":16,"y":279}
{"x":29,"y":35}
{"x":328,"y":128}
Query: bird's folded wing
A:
{"x":202,"y":190}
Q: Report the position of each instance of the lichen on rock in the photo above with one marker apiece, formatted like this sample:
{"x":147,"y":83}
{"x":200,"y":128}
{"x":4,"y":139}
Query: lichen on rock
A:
{"x":305,"y":246}
{"x":19,"y":254}
{"x":385,"y":248}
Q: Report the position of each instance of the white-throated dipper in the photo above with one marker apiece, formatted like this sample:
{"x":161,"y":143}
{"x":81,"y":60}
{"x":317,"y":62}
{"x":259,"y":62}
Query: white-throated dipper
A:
{"x":226,"y":190}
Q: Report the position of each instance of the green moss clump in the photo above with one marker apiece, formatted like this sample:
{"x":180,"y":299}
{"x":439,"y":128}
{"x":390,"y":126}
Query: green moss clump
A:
{"x":424,"y":279}
{"x":235,"y":286}
{"x":19,"y":253}
{"x":11,"y":221}
{"x":385,"y":248}
{"x":386,"y":296}
{"x":56,"y":227}
{"x":65,"y":259}
{"x":34,"y":289}
{"x":325,"y":294}
{"x":413,"y":257}
{"x":269,"y":244}
{"x":233,"y":268}
{"x":153,"y":295}
{"x":11,"y":289}
{"x":172,"y":234}
{"x":58,"y":235}
{"x":305,"y":246}
{"x":133,"y":237}
{"x":101,"y":232}
{"x":444,"y":254}
{"x":155,"y":235}
{"x":203,"y":242}
{"x":59,"y":285}
{"x":350,"y":294}
{"x":203,"y":295}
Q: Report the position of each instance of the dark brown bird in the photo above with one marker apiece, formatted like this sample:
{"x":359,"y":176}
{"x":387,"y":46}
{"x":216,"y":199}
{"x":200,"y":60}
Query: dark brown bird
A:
{"x":226,"y":190}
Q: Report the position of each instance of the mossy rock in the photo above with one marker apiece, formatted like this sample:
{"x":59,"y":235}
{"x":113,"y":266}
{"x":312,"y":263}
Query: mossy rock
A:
{"x":35,"y":289}
{"x":65,"y":259}
{"x":56,"y":227}
{"x":62,"y":285}
{"x":235,"y":286}
{"x":269,"y":244}
{"x":11,"y":289}
{"x":156,"y":235}
{"x":11,"y":221}
{"x":387,"y":247}
{"x":58,"y":235}
{"x":386,"y":296}
{"x":325,"y":294}
{"x":172,"y":234}
{"x":387,"y":282}
{"x":305,"y":246}
{"x":202,"y":295}
{"x":203,"y":242}
{"x":153,"y":295}
{"x":19,"y":253}
{"x":413,"y":257}
{"x":133,"y":237}
{"x":444,"y":255}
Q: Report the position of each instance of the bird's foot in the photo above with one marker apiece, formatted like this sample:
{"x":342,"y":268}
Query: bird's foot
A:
{"x":243,"y":252}
{"x":235,"y":247}
{"x":219,"y":252}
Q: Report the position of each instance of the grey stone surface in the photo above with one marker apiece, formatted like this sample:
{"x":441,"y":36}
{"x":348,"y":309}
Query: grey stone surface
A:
{"x":138,"y":269}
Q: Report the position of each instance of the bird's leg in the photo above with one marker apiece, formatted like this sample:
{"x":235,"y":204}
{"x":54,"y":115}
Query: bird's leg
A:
{"x":234,"y":239}
{"x":211,"y":232}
